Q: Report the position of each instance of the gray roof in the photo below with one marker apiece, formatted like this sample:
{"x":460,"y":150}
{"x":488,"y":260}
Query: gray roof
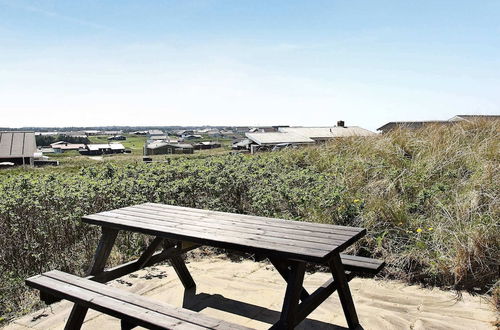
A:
{"x":112,"y":146}
{"x":468,"y":117}
{"x":156,"y":145}
{"x":412,"y":124}
{"x":278,"y":137}
{"x":17,"y":144}
{"x":328,"y":132}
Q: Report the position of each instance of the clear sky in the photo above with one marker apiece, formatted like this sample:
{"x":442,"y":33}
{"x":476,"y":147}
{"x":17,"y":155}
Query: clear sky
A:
{"x":252,"y":62}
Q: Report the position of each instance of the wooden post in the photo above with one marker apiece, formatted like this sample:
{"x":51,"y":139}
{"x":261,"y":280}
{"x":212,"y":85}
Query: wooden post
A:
{"x":144,"y":258}
{"x":292,"y":295}
{"x":182,"y":271}
{"x":101,"y":255}
{"x":179,"y":264}
{"x":282,"y":268}
{"x":343,"y":290}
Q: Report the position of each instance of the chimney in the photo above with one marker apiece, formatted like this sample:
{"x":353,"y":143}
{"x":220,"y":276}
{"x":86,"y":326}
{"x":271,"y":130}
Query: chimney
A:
{"x":340,"y":123}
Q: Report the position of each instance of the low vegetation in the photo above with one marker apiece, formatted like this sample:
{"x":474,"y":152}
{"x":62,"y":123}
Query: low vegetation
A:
{"x":428,"y":198}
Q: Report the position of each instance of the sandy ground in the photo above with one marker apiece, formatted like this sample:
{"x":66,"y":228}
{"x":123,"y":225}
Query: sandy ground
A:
{"x":251,"y":293}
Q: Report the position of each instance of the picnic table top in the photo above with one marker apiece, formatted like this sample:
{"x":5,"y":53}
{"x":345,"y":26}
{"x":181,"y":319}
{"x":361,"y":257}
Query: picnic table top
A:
{"x":270,"y":236}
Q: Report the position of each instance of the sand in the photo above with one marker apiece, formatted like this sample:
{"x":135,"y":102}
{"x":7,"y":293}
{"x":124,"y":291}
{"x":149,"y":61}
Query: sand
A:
{"x":251,"y":293}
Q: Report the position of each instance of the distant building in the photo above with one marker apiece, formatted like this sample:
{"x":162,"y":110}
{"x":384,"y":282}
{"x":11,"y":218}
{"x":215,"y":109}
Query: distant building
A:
{"x":139,"y":133}
{"x":294,"y":136}
{"x":92,"y":132}
{"x":206,"y":145}
{"x":420,"y":124}
{"x":274,"y":138}
{"x":100,"y":149}
{"x":265,"y":129}
{"x":322,"y":134}
{"x":183,"y":132}
{"x":62,"y":146}
{"x":242,"y":144}
{"x":474,"y":117}
{"x":165,"y":148}
{"x":46,"y":133}
{"x":158,"y":138}
{"x":114,"y":133}
{"x":412,"y":124}
{"x":241,"y":129}
{"x":18,"y":148}
{"x":191,"y":136}
{"x":155,"y":132}
{"x":117,"y":138}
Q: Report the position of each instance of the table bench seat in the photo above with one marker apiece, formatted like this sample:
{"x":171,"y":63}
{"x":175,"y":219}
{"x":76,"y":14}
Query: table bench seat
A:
{"x":132,"y":309}
{"x":361,"y":264}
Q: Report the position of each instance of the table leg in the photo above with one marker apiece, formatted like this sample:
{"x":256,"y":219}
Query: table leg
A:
{"x":292,"y":296}
{"x":282,"y":268}
{"x":101,"y":255}
{"x":150,"y":250}
{"x":182,"y":271}
{"x":343,"y":290}
{"x":179,"y":265}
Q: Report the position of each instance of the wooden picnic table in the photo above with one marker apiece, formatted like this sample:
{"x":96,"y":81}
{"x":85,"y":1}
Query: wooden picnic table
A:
{"x":289,"y":245}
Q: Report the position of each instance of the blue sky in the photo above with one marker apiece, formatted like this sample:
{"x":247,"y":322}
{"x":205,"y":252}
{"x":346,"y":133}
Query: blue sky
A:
{"x":246,"y":62}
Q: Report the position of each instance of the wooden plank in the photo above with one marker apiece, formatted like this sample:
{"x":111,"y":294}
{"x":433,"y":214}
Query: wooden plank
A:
{"x":132,"y":266}
{"x":316,"y":298}
{"x":152,"y":247}
{"x":282,"y":268}
{"x":103,"y":250}
{"x":236,"y":219}
{"x":108,"y":237}
{"x":212,"y":239}
{"x":233,"y":226}
{"x":252,"y":218}
{"x":361,"y":264}
{"x":239,"y":219}
{"x":182,"y":271}
{"x":292,"y":295}
{"x":126,"y":268}
{"x":206,"y":227}
{"x":344,"y":292}
{"x":136,"y":300}
{"x":108,"y":305}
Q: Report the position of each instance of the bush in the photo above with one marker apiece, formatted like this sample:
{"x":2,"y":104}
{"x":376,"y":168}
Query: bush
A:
{"x":428,"y":198}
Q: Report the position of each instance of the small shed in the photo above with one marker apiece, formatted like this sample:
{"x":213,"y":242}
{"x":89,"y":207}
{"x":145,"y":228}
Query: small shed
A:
{"x":17,"y":147}
{"x":100,"y":149}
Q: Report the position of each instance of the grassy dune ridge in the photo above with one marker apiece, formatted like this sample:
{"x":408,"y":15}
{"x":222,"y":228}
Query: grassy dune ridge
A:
{"x":428,"y":198}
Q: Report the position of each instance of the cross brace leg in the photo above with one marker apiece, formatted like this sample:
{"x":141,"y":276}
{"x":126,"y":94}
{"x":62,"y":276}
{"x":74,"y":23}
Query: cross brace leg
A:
{"x":101,"y":255}
{"x":292,"y":296}
{"x":344,"y":292}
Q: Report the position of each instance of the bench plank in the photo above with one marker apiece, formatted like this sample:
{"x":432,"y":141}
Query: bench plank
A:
{"x":124,"y":305}
{"x":361,"y":264}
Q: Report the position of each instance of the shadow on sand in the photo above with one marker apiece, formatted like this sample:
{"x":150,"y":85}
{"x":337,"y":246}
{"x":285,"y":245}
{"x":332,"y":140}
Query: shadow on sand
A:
{"x":199,"y":301}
